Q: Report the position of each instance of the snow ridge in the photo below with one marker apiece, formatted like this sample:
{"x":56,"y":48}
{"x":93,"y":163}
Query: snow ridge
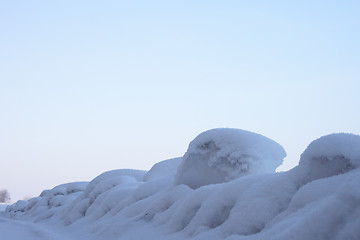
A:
{"x":211,"y":197}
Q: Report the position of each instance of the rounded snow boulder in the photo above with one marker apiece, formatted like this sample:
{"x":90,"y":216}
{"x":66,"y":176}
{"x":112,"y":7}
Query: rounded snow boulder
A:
{"x":223,"y":154}
{"x":332,"y":154}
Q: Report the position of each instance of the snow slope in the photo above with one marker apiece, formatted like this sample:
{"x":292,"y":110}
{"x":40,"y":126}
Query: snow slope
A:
{"x":225,"y":187}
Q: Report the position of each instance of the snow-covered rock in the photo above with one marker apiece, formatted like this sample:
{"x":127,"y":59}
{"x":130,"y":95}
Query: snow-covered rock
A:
{"x":220,"y":155}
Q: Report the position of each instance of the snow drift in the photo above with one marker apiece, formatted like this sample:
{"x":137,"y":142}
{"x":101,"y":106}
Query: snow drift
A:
{"x":221,"y":155}
{"x":332,"y":154}
{"x":318,"y":199}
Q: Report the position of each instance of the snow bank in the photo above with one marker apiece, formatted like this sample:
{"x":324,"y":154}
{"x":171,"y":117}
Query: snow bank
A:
{"x":220,"y":155}
{"x":103,"y":193}
{"x":48,"y":203}
{"x":319,"y":199}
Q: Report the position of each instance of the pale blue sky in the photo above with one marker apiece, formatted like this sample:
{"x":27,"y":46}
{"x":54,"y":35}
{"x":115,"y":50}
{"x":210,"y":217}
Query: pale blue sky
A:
{"x":90,"y":86}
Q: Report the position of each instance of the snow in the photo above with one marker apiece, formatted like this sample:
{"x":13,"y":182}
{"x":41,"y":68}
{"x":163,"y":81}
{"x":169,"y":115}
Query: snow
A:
{"x":163,"y":169}
{"x":332,"y":154}
{"x":3,"y":206}
{"x":11,"y":229}
{"x":333,"y":145}
{"x":318,"y":199}
{"x":221,"y":155}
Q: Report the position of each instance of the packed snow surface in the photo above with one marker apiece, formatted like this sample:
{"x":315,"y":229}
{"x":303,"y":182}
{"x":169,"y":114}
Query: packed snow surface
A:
{"x":224,"y":187}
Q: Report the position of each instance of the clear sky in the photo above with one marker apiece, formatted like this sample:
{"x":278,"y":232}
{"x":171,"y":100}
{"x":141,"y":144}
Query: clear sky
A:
{"x":91,"y":86}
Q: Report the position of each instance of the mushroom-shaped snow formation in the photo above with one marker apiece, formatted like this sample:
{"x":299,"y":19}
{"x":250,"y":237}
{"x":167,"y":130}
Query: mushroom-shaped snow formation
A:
{"x":332,"y":154}
{"x":220,"y":155}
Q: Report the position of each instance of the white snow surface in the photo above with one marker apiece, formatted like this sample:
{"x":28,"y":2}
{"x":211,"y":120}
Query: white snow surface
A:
{"x":223,"y":154}
{"x":318,"y":199}
{"x":163,"y":169}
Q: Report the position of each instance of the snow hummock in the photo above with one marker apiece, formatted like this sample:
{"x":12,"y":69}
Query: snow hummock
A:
{"x":318,"y":199}
{"x":223,"y":154}
{"x":338,"y":151}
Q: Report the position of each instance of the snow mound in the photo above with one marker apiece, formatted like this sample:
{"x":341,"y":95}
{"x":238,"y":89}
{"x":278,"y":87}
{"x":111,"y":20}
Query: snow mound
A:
{"x":332,"y":154}
{"x":65,"y":189}
{"x":223,"y":154}
{"x":163,"y":169}
{"x":103,"y":193}
{"x":49,"y":201}
{"x":318,"y":199}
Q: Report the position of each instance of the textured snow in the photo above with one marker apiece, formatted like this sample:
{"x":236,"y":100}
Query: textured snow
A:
{"x":318,"y":199}
{"x":220,"y":155}
{"x":332,"y":154}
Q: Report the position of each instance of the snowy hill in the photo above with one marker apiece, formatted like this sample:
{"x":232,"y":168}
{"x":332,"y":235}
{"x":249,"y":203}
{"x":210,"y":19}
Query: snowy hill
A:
{"x":224,"y":187}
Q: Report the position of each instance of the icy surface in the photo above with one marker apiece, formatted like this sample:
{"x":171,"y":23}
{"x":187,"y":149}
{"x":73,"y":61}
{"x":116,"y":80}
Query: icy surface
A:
{"x":317,"y":200}
{"x":220,"y":155}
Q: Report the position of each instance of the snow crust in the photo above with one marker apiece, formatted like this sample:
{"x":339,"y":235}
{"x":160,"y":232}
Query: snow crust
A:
{"x":221,"y":155}
{"x":318,"y":199}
